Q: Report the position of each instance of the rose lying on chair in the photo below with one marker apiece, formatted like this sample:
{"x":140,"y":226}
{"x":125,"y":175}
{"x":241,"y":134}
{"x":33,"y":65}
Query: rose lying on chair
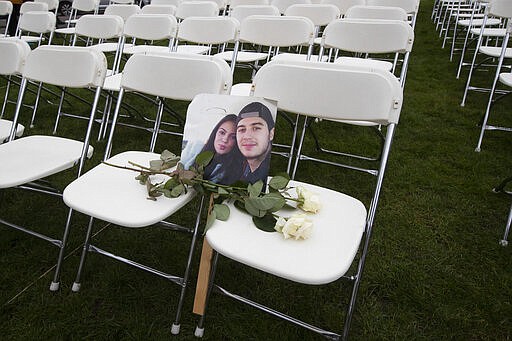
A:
{"x":251,"y":198}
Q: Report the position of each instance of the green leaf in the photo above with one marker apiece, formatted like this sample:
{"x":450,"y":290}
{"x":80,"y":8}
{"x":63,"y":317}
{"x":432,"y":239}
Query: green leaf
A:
{"x":210,"y":220}
{"x":156,"y":164}
{"x":177,"y":191}
{"x":204,"y":158}
{"x":279,"y":181}
{"x":222,"y":191}
{"x":269,"y":201}
{"x":171,"y":183}
{"x":168,"y":156}
{"x":142,"y":178}
{"x":222,"y":211}
{"x":252,"y":207}
{"x":166,"y":192}
{"x":265,"y":223}
{"x":255,"y":189}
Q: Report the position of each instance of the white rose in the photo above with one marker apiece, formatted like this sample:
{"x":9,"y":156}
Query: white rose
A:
{"x":280,"y":224}
{"x":310,"y":202}
{"x":298,"y":227}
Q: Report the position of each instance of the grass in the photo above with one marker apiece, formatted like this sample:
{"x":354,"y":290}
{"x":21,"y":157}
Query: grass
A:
{"x":434,"y":271}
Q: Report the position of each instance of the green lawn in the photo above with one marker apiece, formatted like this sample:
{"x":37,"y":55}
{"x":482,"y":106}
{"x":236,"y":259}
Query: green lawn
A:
{"x":434,"y":269}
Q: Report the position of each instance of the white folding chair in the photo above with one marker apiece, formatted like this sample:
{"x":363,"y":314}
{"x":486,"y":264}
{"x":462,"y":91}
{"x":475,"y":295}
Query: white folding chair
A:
{"x":186,"y":76}
{"x":411,"y":7}
{"x":221,"y":4}
{"x":270,"y":33}
{"x":62,"y":66}
{"x":343,"y":226}
{"x":174,"y":3}
{"x":36,"y":26}
{"x":158,"y":9}
{"x":151,"y":29}
{"x":344,"y":5}
{"x":122,"y":10}
{"x":500,"y":9}
{"x":6,"y":10}
{"x":234,"y":3}
{"x":52,"y":5}
{"x":197,"y":9}
{"x":240,"y":12}
{"x":13,"y":54}
{"x":282,"y":5}
{"x":320,"y":14}
{"x":82,"y":7}
{"x":376,"y":12}
{"x":103,"y":33}
{"x":202,"y":33}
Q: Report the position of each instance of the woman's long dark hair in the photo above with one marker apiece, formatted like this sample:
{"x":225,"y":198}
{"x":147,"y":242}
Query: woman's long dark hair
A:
{"x":230,"y":162}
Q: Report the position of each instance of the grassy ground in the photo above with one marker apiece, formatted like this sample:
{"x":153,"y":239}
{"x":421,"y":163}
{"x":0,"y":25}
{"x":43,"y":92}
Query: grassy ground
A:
{"x":434,"y":271}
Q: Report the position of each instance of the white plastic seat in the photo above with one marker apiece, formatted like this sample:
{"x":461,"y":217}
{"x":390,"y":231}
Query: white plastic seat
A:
{"x":5,"y":130}
{"x":201,"y":33}
{"x":151,"y":28}
{"x":197,"y":9}
{"x":6,"y":10}
{"x":35,"y":157}
{"x":106,"y":193}
{"x":332,"y":248}
{"x":158,"y":9}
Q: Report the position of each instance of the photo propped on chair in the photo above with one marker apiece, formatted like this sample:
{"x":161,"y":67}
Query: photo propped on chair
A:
{"x":238,"y":129}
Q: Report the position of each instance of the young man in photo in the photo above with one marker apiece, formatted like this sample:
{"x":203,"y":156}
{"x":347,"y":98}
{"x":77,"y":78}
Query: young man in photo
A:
{"x":254,"y":135}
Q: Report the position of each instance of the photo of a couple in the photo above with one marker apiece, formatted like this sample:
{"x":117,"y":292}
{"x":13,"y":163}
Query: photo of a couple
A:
{"x":241,"y":137}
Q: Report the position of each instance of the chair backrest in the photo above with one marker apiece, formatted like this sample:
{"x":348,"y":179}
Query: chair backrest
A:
{"x":33,"y":6}
{"x":6,"y":10}
{"x":186,"y":75}
{"x":124,"y":11}
{"x":376,"y":12}
{"x":282,"y":5}
{"x":500,"y":8}
{"x":234,"y":3}
{"x":221,"y":4}
{"x":369,"y":36}
{"x":52,"y":4}
{"x":85,"y":5}
{"x":99,"y":26}
{"x":344,"y":5}
{"x":277,"y":31}
{"x":158,"y":9}
{"x":122,"y":2}
{"x":331,"y":91}
{"x":197,"y":9}
{"x":166,"y":2}
{"x":319,"y":14}
{"x":151,"y":26}
{"x":13,"y":53}
{"x":409,"y":6}
{"x":208,"y":30}
{"x":67,"y":66}
{"x":37,"y":22}
{"x":243,"y":11}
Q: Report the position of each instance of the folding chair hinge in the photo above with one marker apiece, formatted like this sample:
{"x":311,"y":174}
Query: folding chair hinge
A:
{"x":396,"y":104}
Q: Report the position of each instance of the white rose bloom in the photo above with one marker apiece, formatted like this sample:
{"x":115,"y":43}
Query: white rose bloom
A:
{"x":310,"y":201}
{"x":298,"y":227}
{"x":280,"y":224}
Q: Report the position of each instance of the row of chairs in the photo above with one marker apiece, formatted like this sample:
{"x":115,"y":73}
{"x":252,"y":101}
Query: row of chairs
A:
{"x":486,"y":31}
{"x":282,"y":81}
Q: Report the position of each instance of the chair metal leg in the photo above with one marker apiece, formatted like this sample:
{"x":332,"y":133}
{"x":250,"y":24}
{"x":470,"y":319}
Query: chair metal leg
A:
{"x":85,"y":250}
{"x":504,"y":241}
{"x":199,"y":332}
{"x":176,"y":325}
{"x":59,"y":111}
{"x":36,"y":105}
{"x":6,"y":97}
{"x":54,"y":286}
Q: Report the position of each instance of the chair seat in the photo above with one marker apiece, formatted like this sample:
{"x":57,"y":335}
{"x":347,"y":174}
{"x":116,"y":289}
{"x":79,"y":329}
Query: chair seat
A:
{"x":241,"y":89}
{"x":323,"y":258}
{"x":146,"y":49}
{"x":506,"y":78}
{"x":493,"y":51}
{"x":295,"y":57}
{"x":65,"y":30}
{"x":113,"y":82}
{"x":194,"y":49}
{"x":353,"y":61}
{"x":109,"y":47}
{"x":490,"y":32}
{"x":35,"y":157}
{"x":113,"y":195}
{"x":479,"y":22}
{"x":242,"y":56}
{"x":5,"y":130}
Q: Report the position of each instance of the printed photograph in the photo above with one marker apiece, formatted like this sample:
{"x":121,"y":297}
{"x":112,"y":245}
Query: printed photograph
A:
{"x":238,"y":129}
